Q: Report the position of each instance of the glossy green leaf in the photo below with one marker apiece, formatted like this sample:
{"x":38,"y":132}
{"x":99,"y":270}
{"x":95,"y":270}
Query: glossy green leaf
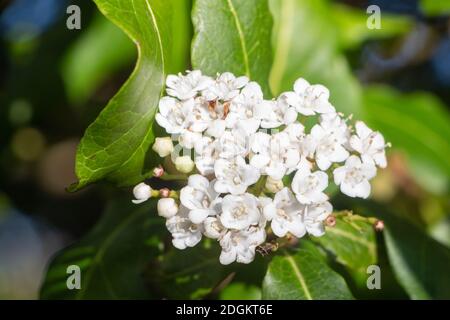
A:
{"x":196,"y":273}
{"x":112,"y":257}
{"x":87,"y":64}
{"x":115,"y":145}
{"x":420,"y":263}
{"x":416,"y":124}
{"x":306,"y":44}
{"x":352,"y":242}
{"x":233,"y":35}
{"x":303,"y":274}
{"x":188,"y":274}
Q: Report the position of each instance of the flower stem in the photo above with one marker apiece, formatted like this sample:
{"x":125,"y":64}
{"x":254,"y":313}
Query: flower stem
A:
{"x":173,"y":177}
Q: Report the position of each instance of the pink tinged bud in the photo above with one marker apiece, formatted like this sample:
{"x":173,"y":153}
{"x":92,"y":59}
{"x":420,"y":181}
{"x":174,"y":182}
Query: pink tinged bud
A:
{"x":330,"y":221}
{"x":158,"y":171}
{"x":379,"y":225}
{"x":164,"y":193}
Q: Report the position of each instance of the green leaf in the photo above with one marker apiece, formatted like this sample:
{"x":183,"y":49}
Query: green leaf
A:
{"x":196,"y":272}
{"x":306,"y":44}
{"x":187,"y":274}
{"x":115,"y":145}
{"x":240,"y":291}
{"x":420,"y":263}
{"x":87,"y":64}
{"x":441,"y":231}
{"x":181,"y":36}
{"x":233,"y":35}
{"x":352,"y":241}
{"x":416,"y":124}
{"x":303,"y":275}
{"x":112,"y":257}
{"x":435,"y":8}
{"x":353,"y":30}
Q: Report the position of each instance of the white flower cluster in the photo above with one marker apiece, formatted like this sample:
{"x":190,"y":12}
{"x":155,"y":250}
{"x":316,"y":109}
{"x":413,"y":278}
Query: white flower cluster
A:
{"x":226,"y":122}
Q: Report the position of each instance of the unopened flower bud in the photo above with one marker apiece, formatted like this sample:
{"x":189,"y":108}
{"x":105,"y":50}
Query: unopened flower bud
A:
{"x":379,"y":225}
{"x":273,"y":185}
{"x":163,"y":146}
{"x":167,"y":207}
{"x":330,"y":221}
{"x":158,"y":172}
{"x":164,"y":193}
{"x":142,"y":192}
{"x":184,"y":164}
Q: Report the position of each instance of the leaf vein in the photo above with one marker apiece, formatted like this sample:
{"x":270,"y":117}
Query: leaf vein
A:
{"x":241,"y":37}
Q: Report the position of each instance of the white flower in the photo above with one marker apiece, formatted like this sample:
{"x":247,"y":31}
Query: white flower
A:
{"x":200,"y":198}
{"x":295,"y":132}
{"x":167,"y":207}
{"x":207,"y":152}
{"x":250,"y":96}
{"x":242,"y":108}
{"x":184,"y":232}
{"x":273,"y":155}
{"x":313,"y":217}
{"x":234,"y":143}
{"x":274,"y":113}
{"x":353,"y":177}
{"x":299,"y":140}
{"x":240,"y":245}
{"x":333,"y":123}
{"x":285,"y":214}
{"x":370,"y":144}
{"x":329,"y":138}
{"x":183,"y":117}
{"x":234,"y":175}
{"x":142,"y":192}
{"x":213,"y":228}
{"x":184,"y":164}
{"x":260,"y":150}
{"x":309,"y":186}
{"x":188,"y":139}
{"x":284,"y":156}
{"x":225,"y":87}
{"x":217,"y":113}
{"x":174,"y":116}
{"x":239,"y":212}
{"x":309,"y":99}
{"x":163,"y":146}
{"x":220,"y":118}
{"x":187,"y":86}
{"x":216,"y":128}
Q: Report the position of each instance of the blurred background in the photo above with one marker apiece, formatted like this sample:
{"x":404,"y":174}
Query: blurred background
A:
{"x":54,"y":82}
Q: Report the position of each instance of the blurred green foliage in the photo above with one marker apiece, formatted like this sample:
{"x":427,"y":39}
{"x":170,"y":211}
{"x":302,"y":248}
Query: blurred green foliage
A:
{"x":434,"y":8}
{"x":128,"y":255}
{"x":104,"y":49}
